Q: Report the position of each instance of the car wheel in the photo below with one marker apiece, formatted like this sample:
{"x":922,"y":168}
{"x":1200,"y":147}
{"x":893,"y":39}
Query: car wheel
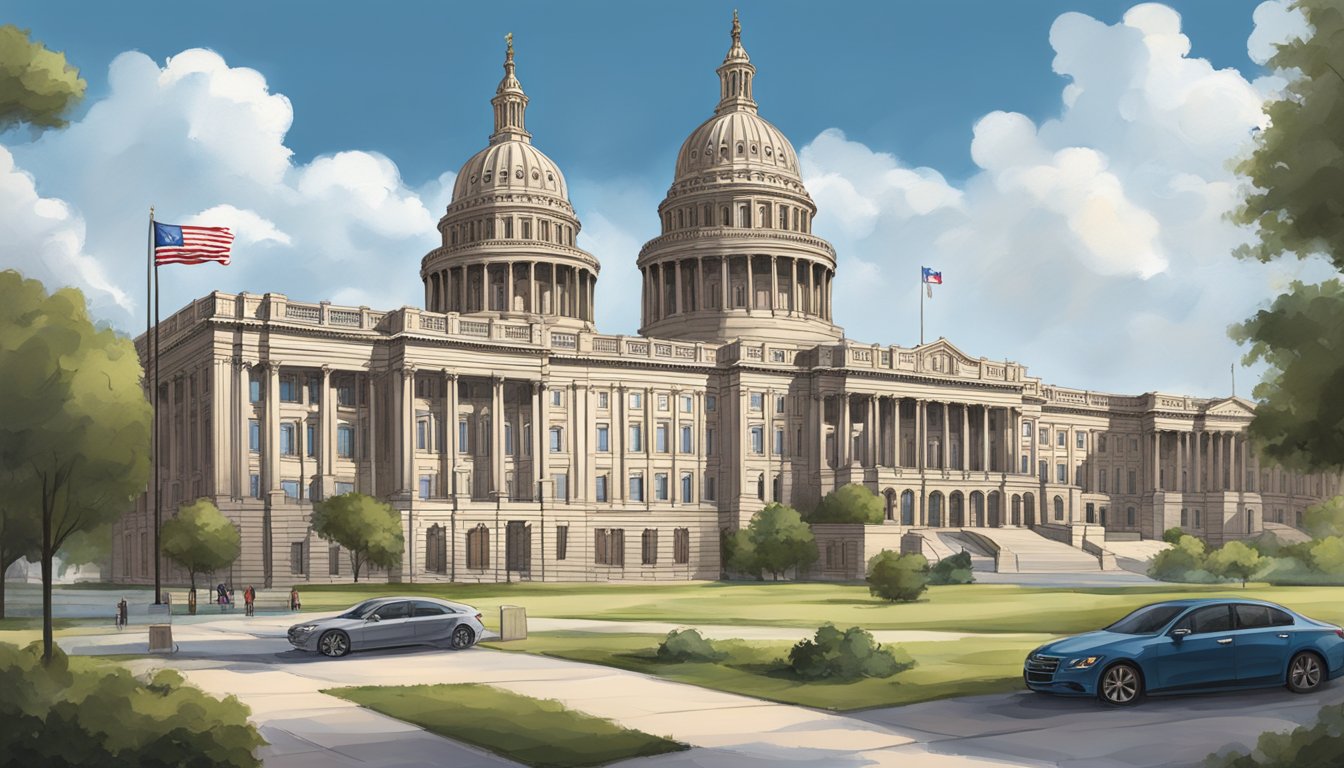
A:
{"x":462,"y":637}
{"x":334,"y":644}
{"x":1120,"y":685}
{"x":1305,"y":673}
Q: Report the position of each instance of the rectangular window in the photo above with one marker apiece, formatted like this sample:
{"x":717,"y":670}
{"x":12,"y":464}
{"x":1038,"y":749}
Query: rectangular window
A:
{"x":686,"y":494}
{"x":681,"y":546}
{"x":660,"y":438}
{"x":711,"y":483}
{"x":334,"y":561}
{"x":636,"y":439}
{"x":1026,"y":465}
{"x":297,"y":561}
{"x":711,"y":403}
{"x":779,"y":403}
{"x":289,"y":389}
{"x":709,"y":442}
{"x":779,"y":441}
{"x":560,"y":484}
{"x":345,"y":441}
{"x":758,"y":440}
{"x":291,"y":488}
{"x":561,"y":542}
{"x":254,"y":435}
{"x":1062,"y":439}
{"x":425,"y":486}
{"x":463,"y":436}
{"x":636,"y":487}
{"x":422,"y":435}
{"x":1045,"y":436}
{"x":344,"y":488}
{"x":1080,"y":439}
{"x":1133,"y":445}
{"x":660,"y":486}
{"x":287,"y":439}
{"x":1061,"y":474}
{"x":314,"y":390}
{"x":609,"y":546}
{"x":603,"y":438}
{"x":1026,"y":429}
{"x":254,"y":390}
{"x":345,"y":392}
{"x":649,"y":547}
{"x":663,"y":403}
{"x":603,"y":401}
{"x":1043,"y":469}
{"x":636,"y":400}
{"x":1199,"y":520}
{"x":1133,"y":482}
{"x":1078,"y":476}
{"x":1101,"y":480}
{"x":686,"y":404}
{"x":557,"y":397}
{"x":1101,"y":443}
{"x":757,"y":401}
{"x":256,"y":486}
{"x":601,"y":489}
{"x":310,"y":436}
{"x":508,"y":439}
{"x":686,"y":446}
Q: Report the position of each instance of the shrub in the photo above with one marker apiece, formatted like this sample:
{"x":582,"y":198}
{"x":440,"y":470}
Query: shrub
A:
{"x":848,"y":655}
{"x":687,"y":645}
{"x":1321,"y":744}
{"x":1327,"y":555}
{"x":896,"y":577}
{"x":1172,"y":535}
{"x":952,"y":570}
{"x":849,"y":504}
{"x":775,"y":541}
{"x":1325,"y":519}
{"x":1234,"y":560}
{"x":80,"y":712}
{"x":1183,"y":562}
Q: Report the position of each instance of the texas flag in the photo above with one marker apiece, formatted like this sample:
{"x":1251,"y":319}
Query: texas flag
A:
{"x":931,"y":279}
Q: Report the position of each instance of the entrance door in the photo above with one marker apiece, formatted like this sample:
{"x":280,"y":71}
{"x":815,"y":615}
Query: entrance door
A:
{"x":518,"y":547}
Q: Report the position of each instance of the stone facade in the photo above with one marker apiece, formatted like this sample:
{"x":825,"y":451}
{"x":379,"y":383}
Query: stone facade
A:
{"x":519,"y":443}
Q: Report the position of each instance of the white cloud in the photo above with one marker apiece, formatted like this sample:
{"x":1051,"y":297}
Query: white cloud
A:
{"x":204,"y":143}
{"x":1094,"y":247}
{"x":1276,"y":23}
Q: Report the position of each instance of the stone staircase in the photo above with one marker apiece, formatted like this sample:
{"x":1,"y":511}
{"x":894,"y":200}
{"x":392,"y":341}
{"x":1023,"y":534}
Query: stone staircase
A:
{"x":981,"y":560}
{"x":1035,"y":553}
{"x":1133,"y":556}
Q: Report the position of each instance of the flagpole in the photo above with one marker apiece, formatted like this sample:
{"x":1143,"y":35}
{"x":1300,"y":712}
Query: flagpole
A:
{"x":921,"y":306}
{"x":158,"y":595}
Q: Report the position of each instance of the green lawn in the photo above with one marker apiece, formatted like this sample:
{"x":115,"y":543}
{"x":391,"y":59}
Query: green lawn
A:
{"x":962,"y":608}
{"x":943,"y":669}
{"x":537,"y":732}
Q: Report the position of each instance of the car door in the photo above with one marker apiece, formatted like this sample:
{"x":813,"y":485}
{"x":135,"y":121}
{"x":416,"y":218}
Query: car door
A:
{"x":1262,"y":642}
{"x":433,"y":622}
{"x":392,"y":626}
{"x":1204,"y":658}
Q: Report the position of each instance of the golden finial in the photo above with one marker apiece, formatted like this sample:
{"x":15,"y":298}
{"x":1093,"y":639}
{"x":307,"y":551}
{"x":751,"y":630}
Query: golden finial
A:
{"x":737,"y":28}
{"x":509,"y":39}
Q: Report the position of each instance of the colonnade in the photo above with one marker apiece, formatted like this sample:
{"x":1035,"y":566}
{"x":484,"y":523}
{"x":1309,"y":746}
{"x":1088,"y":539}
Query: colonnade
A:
{"x":1201,"y":461}
{"x":508,"y":285}
{"x":755,"y":282}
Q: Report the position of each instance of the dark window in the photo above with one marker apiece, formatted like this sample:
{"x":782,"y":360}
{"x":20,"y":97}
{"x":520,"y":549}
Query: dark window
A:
{"x":1252,"y":616}
{"x":429,"y":609}
{"x":561,"y":542}
{"x":399,"y":610}
{"x":1278,"y":618}
{"x":681,"y":546}
{"x":1147,"y":620}
{"x":478,"y":548}
{"x":649,"y":550}
{"x":1215,"y":618}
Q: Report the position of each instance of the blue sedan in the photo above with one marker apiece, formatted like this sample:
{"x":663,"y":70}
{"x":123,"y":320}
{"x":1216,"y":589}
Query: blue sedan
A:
{"x":1184,"y":646}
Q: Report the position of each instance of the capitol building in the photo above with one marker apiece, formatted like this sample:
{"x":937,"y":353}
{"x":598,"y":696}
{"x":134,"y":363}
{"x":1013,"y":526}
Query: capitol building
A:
{"x":518,"y":442}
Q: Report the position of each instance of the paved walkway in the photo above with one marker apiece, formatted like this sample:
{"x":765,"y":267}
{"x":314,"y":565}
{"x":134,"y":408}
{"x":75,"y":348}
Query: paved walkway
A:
{"x":306,"y":727}
{"x":730,"y":632}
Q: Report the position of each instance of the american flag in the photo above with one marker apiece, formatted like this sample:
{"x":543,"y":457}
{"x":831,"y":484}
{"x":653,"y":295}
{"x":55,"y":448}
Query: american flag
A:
{"x":184,"y":244}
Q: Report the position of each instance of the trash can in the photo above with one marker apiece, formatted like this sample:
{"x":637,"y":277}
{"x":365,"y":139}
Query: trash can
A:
{"x":512,"y":622}
{"x":160,"y":638}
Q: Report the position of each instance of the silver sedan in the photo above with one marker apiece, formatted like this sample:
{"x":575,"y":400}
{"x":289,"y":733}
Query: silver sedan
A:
{"x":386,"y":622}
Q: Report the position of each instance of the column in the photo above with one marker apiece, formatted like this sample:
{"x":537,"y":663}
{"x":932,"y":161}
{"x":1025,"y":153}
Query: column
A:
{"x":532,"y":287}
{"x":408,"y":478}
{"x":751,"y":288}
{"x":540,"y":434}
{"x":1215,"y":450}
{"x":619,"y":483}
{"x":984,"y":434}
{"x":660,"y":285}
{"x":1157,"y":460}
{"x":896,"y":431}
{"x":271,"y":440}
{"x":241,"y":414}
{"x":774,"y":284}
{"x":723,"y":282}
{"x":497,"y":433}
{"x":965,"y":437}
{"x":679,"y":287}
{"x":1015,"y":445}
{"x":555,"y":289}
{"x":819,"y":423}
{"x":1180,"y":462}
{"x":449,"y":451}
{"x":371,"y":452}
{"x":577,"y":394}
{"x":921,"y":434}
{"x":844,"y":433}
{"x":699,"y":300}
{"x":485,"y":287}
{"x":947,"y":435}
{"x":1241,"y":462}
{"x":326,"y":447}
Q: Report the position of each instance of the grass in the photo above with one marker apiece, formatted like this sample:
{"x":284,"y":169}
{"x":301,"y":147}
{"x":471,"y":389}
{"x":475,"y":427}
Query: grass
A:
{"x":958,"y":608}
{"x":536,"y":732}
{"x":970,"y":666}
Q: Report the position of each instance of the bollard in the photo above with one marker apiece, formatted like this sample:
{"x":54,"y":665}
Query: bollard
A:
{"x":160,"y":638}
{"x":512,"y":622}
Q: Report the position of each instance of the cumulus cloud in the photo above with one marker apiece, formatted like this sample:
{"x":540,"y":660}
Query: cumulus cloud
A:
{"x":1276,"y":23}
{"x":1094,"y":246}
{"x":205,"y":143}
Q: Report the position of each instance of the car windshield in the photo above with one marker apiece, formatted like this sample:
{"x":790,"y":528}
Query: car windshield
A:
{"x":361,"y":611}
{"x":1148,"y":620}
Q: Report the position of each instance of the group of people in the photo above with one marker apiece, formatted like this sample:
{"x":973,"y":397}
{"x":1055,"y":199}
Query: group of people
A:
{"x":223,"y":596}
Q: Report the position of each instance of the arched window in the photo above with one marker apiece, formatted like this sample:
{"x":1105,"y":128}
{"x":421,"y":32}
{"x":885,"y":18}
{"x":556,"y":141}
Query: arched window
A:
{"x":744,"y":216}
{"x":681,"y":218}
{"x":760,"y":486}
{"x":1059,"y":508}
{"x":779,"y":488}
{"x":1129,"y":517}
{"x":936,"y":509}
{"x":765,"y":216}
{"x":667,"y":222}
{"x":907,"y":508}
{"x":783,"y":217}
{"x":436,"y":549}
{"x":724,"y":217}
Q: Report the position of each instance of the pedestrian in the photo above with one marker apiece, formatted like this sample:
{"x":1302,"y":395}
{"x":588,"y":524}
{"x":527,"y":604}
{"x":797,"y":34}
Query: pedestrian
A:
{"x":121,"y":614}
{"x":250,"y":599}
{"x":294,"y":603}
{"x":222,"y":596}
{"x":191,"y":601}
{"x":232,"y":603}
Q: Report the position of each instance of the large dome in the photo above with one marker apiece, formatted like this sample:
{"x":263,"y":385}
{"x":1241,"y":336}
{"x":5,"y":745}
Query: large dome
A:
{"x":509,"y":166}
{"x":738,"y":140}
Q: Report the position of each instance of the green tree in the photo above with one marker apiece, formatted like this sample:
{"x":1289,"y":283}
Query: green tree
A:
{"x":739,"y":554}
{"x":1294,"y":199}
{"x":774,"y":541}
{"x":200,"y":539}
{"x":1172,"y":535}
{"x":369,"y":529}
{"x":84,"y":547}
{"x":896,"y":577}
{"x":1234,"y":560}
{"x":1178,"y":562}
{"x":74,"y":421}
{"x":1325,"y":519}
{"x":850,"y":503}
{"x":953,"y":569}
{"x":20,"y":534}
{"x":37,"y":86}
{"x":1327,"y":555}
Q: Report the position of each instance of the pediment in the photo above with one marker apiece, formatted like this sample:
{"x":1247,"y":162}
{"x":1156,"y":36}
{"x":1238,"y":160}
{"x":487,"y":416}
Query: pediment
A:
{"x":1230,"y":406}
{"x":942,"y":356}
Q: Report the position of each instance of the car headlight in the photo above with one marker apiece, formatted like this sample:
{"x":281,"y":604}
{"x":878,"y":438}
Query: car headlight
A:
{"x":306,"y":628}
{"x":1085,"y":662}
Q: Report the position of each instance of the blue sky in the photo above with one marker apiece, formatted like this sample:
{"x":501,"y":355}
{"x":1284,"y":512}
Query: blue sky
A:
{"x":1064,"y":163}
